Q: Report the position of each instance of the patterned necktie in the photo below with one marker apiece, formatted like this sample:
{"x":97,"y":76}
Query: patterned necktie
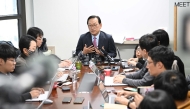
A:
{"x":94,"y":42}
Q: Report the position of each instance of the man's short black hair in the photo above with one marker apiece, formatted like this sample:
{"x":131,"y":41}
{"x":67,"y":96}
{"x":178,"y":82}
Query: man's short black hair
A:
{"x":35,"y":32}
{"x":162,"y":37}
{"x":148,"y":41}
{"x":172,"y":82}
{"x":24,"y":42}
{"x":157,"y":99}
{"x":7,"y":51}
{"x":94,"y":16}
{"x":162,"y":54}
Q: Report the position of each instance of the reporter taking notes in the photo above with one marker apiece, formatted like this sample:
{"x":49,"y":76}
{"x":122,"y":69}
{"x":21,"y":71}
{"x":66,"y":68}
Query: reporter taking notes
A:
{"x":90,"y":42}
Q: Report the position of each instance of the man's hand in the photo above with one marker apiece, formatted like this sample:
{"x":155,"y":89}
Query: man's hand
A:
{"x":133,"y":63}
{"x":126,"y":93}
{"x":89,"y":49}
{"x":133,"y":105}
{"x":118,"y":78}
{"x":122,"y":100}
{"x":42,"y":91}
{"x":133,"y":59}
{"x":68,"y":61}
{"x":59,"y":74}
{"x":98,"y":52}
{"x":137,"y":99}
{"x":64,"y":64}
{"x":35,"y":93}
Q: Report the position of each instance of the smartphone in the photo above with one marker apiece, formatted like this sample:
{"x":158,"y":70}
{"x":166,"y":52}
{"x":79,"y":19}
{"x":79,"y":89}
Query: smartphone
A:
{"x":79,"y":100}
{"x":67,"y":99}
{"x":130,"y":89}
{"x":61,"y":83}
{"x":65,"y":88}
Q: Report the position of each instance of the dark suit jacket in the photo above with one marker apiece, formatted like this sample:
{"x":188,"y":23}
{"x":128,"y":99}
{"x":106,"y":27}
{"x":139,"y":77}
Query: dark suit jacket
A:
{"x":105,"y":40}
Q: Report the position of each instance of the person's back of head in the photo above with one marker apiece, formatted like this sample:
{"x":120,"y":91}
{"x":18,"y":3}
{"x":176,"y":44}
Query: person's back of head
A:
{"x":35,"y":32}
{"x":172,"y":82}
{"x":148,"y":42}
{"x":157,"y":99}
{"x":162,"y":36}
{"x":162,"y":54}
{"x":25,"y":42}
{"x":7,"y":51}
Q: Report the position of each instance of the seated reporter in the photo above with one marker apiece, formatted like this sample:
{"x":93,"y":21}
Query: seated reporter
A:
{"x":156,"y":99}
{"x":137,"y":54}
{"x":7,"y":65}
{"x":174,"y":83}
{"x":41,"y":46}
{"x":27,"y":46}
{"x":170,"y":81}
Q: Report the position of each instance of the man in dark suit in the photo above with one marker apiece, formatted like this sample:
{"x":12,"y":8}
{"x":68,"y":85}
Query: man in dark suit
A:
{"x":91,"y":42}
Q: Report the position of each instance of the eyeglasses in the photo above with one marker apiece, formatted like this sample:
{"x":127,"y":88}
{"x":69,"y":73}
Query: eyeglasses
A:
{"x":94,"y":25}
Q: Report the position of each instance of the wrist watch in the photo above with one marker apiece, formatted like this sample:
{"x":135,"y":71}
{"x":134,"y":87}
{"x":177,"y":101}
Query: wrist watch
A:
{"x":128,"y":105}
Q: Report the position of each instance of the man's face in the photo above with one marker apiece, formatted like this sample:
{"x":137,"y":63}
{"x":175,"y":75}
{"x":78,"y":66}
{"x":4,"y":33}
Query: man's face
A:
{"x":93,"y":26}
{"x":152,"y":69}
{"x":39,"y":40}
{"x":9,"y":65}
{"x":32,"y":46}
{"x":138,"y":52}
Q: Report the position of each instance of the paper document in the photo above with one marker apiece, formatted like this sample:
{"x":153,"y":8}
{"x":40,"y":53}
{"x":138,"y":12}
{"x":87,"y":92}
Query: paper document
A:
{"x":40,"y":98}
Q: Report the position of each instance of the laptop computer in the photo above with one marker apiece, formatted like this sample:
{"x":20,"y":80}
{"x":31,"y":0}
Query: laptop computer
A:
{"x":108,"y":81}
{"x":94,"y":69}
{"x":89,"y":106}
{"x":108,"y":98}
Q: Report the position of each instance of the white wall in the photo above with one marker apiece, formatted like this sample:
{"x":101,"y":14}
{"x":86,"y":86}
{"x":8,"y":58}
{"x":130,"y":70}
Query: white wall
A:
{"x":66,"y":36}
{"x":29,"y":13}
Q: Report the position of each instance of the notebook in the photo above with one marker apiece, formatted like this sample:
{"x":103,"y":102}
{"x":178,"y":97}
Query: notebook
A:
{"x":108,"y":81}
{"x":46,"y":93}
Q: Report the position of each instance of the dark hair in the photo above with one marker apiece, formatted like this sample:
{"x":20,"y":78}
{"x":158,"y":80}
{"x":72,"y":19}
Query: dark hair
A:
{"x":148,"y":42}
{"x":7,"y":51}
{"x":162,"y":37}
{"x":24,"y":42}
{"x":94,"y":16}
{"x":172,"y":82}
{"x":162,"y":54}
{"x":134,"y":56}
{"x":35,"y":32}
{"x":157,"y":99}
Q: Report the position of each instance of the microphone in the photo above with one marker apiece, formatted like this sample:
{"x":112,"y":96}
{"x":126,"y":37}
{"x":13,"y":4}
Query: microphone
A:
{"x":106,"y":54}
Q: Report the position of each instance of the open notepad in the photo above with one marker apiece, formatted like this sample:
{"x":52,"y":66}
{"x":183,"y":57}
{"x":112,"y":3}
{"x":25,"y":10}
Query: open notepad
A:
{"x":40,"y":98}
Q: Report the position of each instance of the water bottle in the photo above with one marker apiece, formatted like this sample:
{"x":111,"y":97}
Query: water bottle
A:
{"x":74,"y":79}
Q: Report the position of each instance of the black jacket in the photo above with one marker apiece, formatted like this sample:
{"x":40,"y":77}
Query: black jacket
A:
{"x":105,"y":40}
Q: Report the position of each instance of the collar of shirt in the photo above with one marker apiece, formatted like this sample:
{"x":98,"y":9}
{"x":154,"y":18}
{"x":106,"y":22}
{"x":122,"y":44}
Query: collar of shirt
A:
{"x":97,"y":38}
{"x":9,"y":75}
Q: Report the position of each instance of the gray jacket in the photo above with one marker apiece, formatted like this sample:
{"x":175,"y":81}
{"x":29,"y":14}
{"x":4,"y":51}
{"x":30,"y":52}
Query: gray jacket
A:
{"x":139,"y":78}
